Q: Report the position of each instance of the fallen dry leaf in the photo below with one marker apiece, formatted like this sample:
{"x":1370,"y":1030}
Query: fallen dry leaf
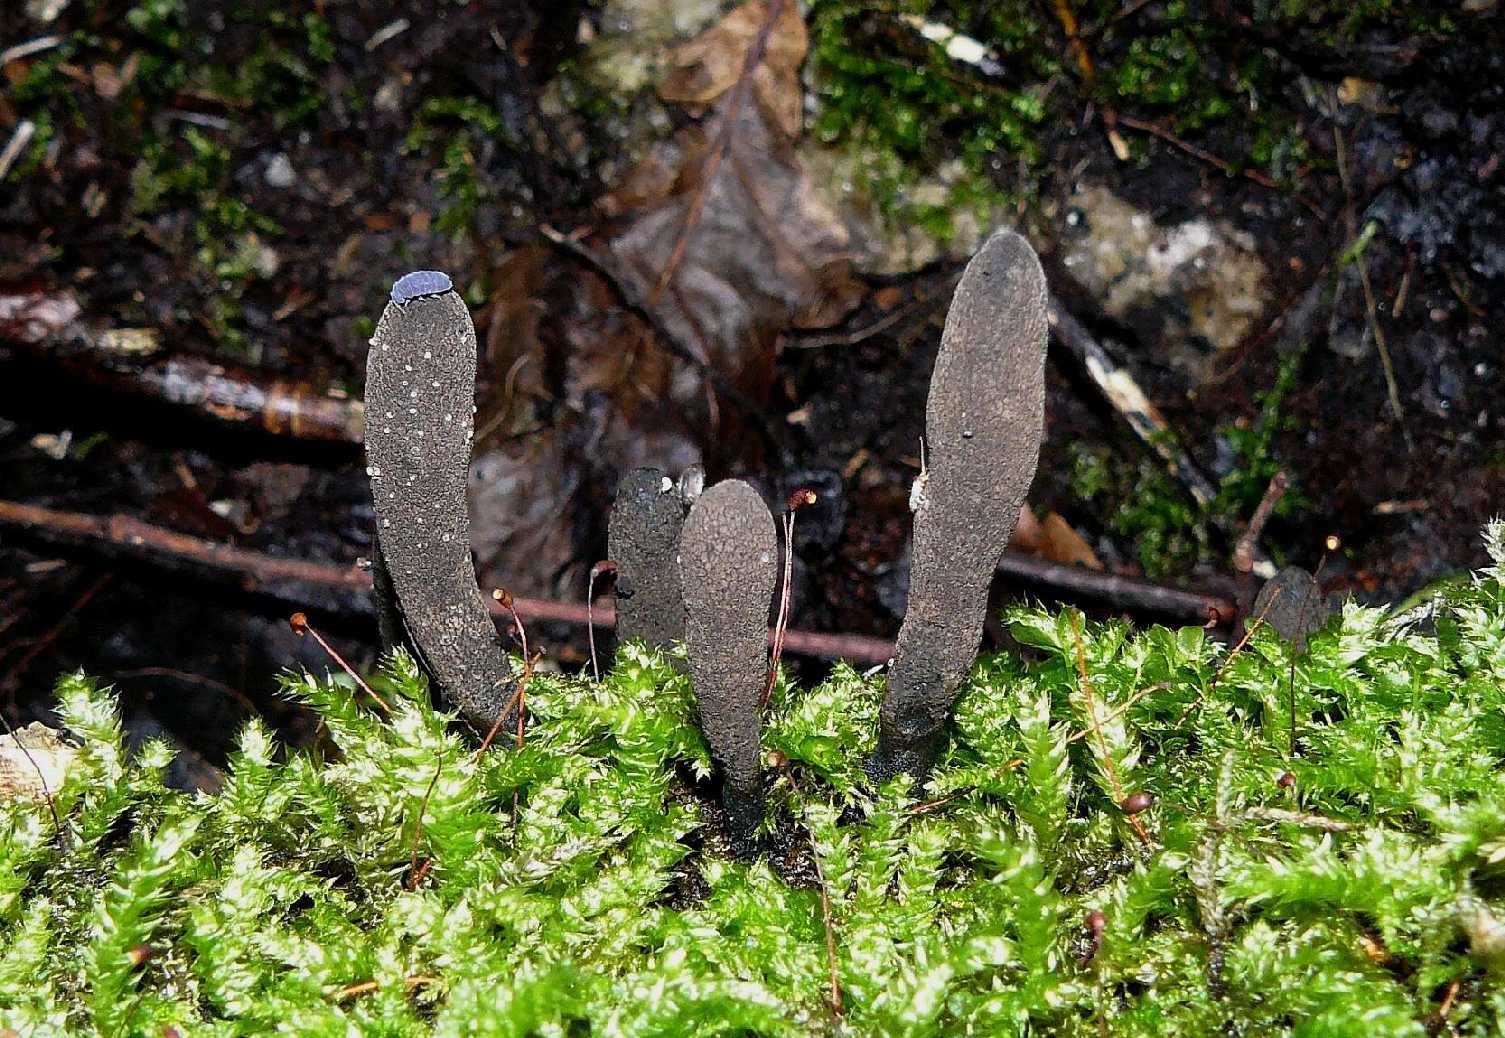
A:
{"x":1052,"y":538}
{"x":720,"y":230}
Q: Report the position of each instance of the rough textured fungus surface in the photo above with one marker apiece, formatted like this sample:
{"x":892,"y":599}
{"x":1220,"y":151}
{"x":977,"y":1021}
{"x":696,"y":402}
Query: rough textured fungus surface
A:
{"x":1292,"y":603}
{"x":983,"y":426}
{"x":643,"y":540}
{"x":420,"y":390}
{"x":728,"y":562}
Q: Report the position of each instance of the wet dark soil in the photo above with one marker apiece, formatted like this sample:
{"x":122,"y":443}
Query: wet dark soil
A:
{"x":281,"y":264}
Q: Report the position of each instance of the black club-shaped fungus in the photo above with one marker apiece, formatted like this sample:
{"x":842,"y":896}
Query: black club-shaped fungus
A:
{"x":983,"y":425}
{"x":420,"y":391}
{"x":643,"y":540}
{"x":728,"y":564}
{"x":1293,"y":604}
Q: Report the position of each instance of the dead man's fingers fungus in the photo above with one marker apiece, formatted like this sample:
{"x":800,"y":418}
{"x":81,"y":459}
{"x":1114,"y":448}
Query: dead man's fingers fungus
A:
{"x":420,"y":394}
{"x":728,"y":565}
{"x":983,"y":424}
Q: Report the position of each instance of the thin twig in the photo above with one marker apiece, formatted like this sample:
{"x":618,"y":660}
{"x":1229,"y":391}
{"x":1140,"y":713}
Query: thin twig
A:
{"x":1244,"y":551}
{"x":28,"y":48}
{"x":19,"y":139}
{"x":1218,"y":163}
{"x":117,"y":535}
{"x":1392,"y":391}
{"x":1121,"y":390}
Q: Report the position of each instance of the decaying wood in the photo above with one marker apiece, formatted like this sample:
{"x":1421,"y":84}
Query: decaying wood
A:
{"x":234,"y":397}
{"x":292,"y":580}
{"x":1124,"y":395}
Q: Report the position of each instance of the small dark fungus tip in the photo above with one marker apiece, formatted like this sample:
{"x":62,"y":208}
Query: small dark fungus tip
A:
{"x":421,"y":283}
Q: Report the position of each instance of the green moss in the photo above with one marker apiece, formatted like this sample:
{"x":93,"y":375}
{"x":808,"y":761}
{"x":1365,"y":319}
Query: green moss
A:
{"x":904,"y":106}
{"x":451,"y":131}
{"x":1253,"y":445}
{"x":572,"y":886}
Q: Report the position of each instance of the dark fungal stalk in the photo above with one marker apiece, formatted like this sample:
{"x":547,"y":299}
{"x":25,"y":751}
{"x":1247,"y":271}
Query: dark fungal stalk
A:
{"x":420,"y":406}
{"x":983,"y":424}
{"x":643,"y":541}
{"x":728,"y":562}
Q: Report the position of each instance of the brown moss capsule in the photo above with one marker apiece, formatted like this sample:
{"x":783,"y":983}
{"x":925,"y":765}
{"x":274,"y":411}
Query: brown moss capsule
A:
{"x":1096,"y":922}
{"x":299,"y":623}
{"x":1136,"y":803}
{"x":139,"y":955}
{"x":1285,"y":780}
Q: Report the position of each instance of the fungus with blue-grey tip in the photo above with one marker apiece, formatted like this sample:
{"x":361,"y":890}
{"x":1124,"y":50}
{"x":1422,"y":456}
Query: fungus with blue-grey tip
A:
{"x":420,"y":393}
{"x":728,"y":565}
{"x":983,"y":424}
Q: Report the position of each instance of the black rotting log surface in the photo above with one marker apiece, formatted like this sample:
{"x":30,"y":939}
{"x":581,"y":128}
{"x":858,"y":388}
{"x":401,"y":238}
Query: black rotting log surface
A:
{"x":983,"y":425}
{"x":728,"y":564}
{"x":420,"y":392}
{"x":643,"y":540}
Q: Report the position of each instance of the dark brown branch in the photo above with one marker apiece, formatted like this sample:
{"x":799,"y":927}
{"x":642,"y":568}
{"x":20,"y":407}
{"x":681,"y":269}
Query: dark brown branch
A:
{"x":1138,"y":596}
{"x":45,"y":330}
{"x":254,"y":571}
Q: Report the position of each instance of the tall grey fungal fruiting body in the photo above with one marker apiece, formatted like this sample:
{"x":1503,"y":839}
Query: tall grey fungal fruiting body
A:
{"x":983,"y":424}
{"x":643,"y":540}
{"x":728,"y":564}
{"x":420,"y":412}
